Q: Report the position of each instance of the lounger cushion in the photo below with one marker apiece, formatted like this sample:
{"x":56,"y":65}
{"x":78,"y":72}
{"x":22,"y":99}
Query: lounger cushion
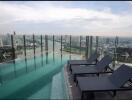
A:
{"x":92,"y":58}
{"x":106,"y":83}
{"x":78,"y":62}
{"x":101,"y":65}
{"x":121,"y":76}
{"x":83,"y":70}
{"x":95,"y":84}
{"x":105,"y":61}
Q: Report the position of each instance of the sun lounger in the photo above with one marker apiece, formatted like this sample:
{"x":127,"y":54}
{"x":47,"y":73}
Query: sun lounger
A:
{"x":91,"y":61}
{"x":100,"y":67}
{"x":114,"y":82}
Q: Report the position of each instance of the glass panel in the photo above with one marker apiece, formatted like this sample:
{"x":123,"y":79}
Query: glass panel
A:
{"x":20,"y":65}
{"x":87,"y":47}
{"x":30,"y":52}
{"x":124,"y":50}
{"x":66,"y":45}
{"x":50,"y":48}
{"x":75,"y":47}
{"x":57,"y":45}
{"x":94,"y":44}
{"x":83,"y":47}
{"x":107,"y":47}
{"x":29,"y":46}
{"x":7,"y":67}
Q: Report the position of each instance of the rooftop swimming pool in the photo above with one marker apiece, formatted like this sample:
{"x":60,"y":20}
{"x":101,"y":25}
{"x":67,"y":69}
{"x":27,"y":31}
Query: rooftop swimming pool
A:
{"x":34,"y":79}
{"x":39,"y":72}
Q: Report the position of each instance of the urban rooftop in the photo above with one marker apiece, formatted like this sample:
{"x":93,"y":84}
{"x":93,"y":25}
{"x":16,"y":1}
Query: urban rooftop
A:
{"x":66,"y":50}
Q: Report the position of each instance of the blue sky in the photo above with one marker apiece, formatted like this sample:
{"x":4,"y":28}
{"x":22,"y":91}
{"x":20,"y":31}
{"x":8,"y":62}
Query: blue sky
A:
{"x":115,"y":6}
{"x":66,"y":17}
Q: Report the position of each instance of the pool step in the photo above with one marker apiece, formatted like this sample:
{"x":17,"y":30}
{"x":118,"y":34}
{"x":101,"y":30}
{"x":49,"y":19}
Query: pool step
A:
{"x":57,"y":88}
{"x":44,"y":93}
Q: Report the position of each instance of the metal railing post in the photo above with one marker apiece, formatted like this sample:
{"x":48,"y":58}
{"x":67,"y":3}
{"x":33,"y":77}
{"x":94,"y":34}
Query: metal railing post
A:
{"x":53,"y":49}
{"x":61,"y":47}
{"x":13,"y":54}
{"x":115,"y":51}
{"x":87,"y":45}
{"x":34,"y":51}
{"x":24,"y":38}
{"x":41,"y":49}
{"x":46,"y":48}
{"x":80,"y":44}
{"x":91,"y":40}
{"x":97,"y":40}
{"x":70,"y":47}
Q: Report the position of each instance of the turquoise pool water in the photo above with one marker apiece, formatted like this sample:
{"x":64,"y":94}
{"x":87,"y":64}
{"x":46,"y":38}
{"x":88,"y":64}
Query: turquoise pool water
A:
{"x":34,"y":81}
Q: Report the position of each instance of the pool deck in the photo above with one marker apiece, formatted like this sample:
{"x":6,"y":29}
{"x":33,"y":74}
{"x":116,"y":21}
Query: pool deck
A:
{"x":75,"y":93}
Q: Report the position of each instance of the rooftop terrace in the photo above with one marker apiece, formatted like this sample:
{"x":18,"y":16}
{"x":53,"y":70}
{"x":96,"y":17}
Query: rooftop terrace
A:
{"x":35,"y":66}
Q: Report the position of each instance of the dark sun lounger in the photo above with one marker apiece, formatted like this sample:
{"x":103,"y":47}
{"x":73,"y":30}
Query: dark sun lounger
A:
{"x":100,"y":67}
{"x":92,"y":60}
{"x":114,"y":82}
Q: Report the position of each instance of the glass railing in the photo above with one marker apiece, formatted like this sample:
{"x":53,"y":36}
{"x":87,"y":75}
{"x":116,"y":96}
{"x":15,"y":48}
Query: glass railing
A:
{"x":27,"y":46}
{"x":18,"y":52}
{"x":24,"y":47}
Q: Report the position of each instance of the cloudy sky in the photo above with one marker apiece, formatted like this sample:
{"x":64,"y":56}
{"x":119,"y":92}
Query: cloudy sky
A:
{"x":66,"y":17}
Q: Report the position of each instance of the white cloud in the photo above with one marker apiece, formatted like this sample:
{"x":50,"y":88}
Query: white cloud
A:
{"x":129,"y":2}
{"x":49,"y":13}
{"x":79,"y":18}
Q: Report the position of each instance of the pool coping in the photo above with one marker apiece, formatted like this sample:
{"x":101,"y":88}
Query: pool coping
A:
{"x":67,"y":84}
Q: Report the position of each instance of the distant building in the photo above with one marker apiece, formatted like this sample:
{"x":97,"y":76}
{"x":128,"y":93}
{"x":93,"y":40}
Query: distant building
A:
{"x":6,"y":39}
{"x":1,"y":42}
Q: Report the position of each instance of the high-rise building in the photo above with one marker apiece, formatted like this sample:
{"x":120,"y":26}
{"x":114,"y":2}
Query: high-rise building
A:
{"x":1,"y":42}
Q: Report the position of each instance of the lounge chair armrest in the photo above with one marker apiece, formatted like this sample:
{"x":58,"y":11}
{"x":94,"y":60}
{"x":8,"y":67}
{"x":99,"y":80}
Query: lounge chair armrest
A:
{"x":124,"y":88}
{"x":110,"y":69}
{"x":130,"y":82}
{"x":105,"y":72}
{"x":91,"y":64}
